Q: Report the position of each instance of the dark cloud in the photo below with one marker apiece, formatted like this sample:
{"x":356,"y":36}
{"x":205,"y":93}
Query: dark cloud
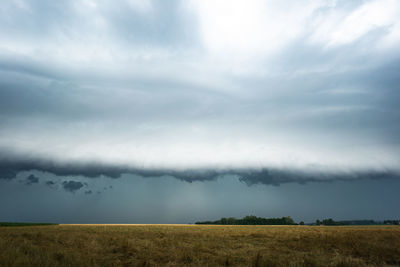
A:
{"x":50,"y":183}
{"x":250,"y":176}
{"x":40,"y":19}
{"x":10,"y":165}
{"x":126,"y":23}
{"x":7,"y":173}
{"x":32,"y":179}
{"x":72,"y":186}
{"x":171,"y":27}
{"x":94,"y":89}
{"x":277,"y":177}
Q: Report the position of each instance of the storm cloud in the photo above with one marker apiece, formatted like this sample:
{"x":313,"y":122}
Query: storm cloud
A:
{"x":72,"y":186}
{"x":268,"y":92}
{"x":32,"y":179}
{"x":267,"y":176}
{"x":50,"y":183}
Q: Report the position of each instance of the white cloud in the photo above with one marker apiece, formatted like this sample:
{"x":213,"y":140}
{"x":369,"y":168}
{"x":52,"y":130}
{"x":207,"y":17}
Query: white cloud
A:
{"x":250,"y":29}
{"x":339,"y":27}
{"x":143,"y":6}
{"x":22,"y":4}
{"x":250,"y":81}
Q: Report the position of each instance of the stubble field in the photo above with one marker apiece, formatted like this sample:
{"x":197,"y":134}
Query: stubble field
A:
{"x":194,"y":245}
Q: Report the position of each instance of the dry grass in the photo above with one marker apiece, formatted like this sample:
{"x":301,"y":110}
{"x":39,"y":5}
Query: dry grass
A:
{"x":177,"y":245}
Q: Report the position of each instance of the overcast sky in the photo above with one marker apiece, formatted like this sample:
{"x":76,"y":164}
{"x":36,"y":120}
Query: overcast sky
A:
{"x":174,"y":111}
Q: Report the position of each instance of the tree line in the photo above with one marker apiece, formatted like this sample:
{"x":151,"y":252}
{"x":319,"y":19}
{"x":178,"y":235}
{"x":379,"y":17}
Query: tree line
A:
{"x":331,"y":222}
{"x":254,"y":220}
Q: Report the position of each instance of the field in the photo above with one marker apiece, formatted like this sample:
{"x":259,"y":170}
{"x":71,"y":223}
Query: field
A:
{"x":194,"y":245}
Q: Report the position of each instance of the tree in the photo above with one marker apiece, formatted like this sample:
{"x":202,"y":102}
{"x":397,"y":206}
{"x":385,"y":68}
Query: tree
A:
{"x":224,"y":221}
{"x":329,"y":221}
{"x":301,"y":223}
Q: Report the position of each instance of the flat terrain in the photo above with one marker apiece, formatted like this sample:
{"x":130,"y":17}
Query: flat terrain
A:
{"x":194,"y":245}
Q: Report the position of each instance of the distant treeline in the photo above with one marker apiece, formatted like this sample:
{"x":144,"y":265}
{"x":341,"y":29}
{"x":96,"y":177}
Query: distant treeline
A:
{"x":24,"y":224}
{"x":330,"y":222}
{"x":252,"y":220}
{"x":394,"y":222}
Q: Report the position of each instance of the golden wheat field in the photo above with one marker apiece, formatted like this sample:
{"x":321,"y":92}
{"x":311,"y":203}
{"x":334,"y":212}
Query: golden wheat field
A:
{"x":194,"y":245}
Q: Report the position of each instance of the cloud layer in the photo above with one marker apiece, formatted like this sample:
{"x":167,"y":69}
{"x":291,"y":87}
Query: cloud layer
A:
{"x":72,"y":186}
{"x":200,"y":89}
{"x":250,"y":176}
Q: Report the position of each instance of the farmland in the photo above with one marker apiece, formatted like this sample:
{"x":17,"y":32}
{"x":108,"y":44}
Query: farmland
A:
{"x":195,"y":245}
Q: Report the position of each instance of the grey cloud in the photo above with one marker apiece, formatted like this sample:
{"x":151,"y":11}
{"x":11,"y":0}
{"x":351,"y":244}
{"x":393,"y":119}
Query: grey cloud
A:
{"x":39,"y":18}
{"x":72,"y":186}
{"x":32,"y":179}
{"x":66,"y":20}
{"x":50,"y":183}
{"x":277,"y":177}
{"x":250,"y":176}
{"x":292,"y":93}
{"x":11,"y":164}
{"x":89,"y":89}
{"x":62,"y":99}
{"x":170,"y":28}
{"x":300,"y":86}
{"x":7,"y":173}
{"x":373,"y":111}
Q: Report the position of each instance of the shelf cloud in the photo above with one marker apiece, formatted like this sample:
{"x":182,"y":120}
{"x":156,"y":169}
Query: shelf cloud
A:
{"x":200,"y":89}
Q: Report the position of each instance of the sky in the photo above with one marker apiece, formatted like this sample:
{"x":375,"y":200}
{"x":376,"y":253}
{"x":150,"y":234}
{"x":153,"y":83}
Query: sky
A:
{"x":150,"y":111}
